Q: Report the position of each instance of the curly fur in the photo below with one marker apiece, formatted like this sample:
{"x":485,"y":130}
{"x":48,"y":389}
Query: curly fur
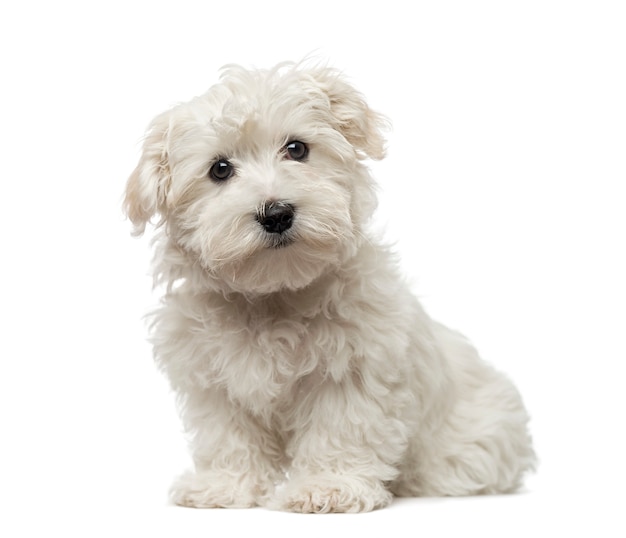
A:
{"x":309,"y":378}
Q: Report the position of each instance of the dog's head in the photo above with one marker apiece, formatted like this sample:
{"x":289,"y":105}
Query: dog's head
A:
{"x":259,"y":182}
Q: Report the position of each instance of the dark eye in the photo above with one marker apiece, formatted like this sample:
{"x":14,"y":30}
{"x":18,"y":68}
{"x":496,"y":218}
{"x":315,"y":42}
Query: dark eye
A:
{"x":296,"y":151}
{"x":221,"y":170}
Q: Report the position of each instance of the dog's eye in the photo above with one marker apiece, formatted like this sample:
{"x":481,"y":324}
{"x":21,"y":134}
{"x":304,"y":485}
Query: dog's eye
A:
{"x":296,"y":151}
{"x":221,"y":170}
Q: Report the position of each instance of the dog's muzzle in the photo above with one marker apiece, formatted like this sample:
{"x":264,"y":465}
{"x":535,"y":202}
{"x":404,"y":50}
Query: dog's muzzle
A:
{"x":276,"y":217}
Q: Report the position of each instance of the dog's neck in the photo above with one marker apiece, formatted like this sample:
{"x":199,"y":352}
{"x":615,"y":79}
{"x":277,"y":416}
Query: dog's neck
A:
{"x":318,"y":298}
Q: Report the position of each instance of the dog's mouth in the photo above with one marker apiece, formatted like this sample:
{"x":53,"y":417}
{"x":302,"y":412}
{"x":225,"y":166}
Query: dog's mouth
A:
{"x":279,"y":241}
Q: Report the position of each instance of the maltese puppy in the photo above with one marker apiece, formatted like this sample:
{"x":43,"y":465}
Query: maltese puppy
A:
{"x":309,"y":378}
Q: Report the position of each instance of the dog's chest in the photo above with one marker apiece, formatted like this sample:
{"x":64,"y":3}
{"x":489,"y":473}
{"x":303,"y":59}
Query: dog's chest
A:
{"x":264,"y":361}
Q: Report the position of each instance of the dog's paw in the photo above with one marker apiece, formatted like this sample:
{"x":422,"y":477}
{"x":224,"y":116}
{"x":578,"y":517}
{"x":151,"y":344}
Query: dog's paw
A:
{"x":212,"y":490}
{"x":324,"y":494}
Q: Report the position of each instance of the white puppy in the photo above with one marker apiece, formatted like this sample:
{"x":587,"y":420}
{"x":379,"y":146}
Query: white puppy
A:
{"x":299,"y":356}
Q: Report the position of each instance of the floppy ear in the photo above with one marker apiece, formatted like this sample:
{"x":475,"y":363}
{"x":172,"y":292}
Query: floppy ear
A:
{"x":360,"y":125}
{"x":147,"y":185}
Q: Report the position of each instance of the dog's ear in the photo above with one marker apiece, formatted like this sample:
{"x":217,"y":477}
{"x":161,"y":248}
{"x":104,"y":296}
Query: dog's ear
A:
{"x":147,"y":185}
{"x":359,"y":124}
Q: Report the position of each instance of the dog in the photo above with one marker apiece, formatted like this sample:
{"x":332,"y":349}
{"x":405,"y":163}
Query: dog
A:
{"x":309,"y":378}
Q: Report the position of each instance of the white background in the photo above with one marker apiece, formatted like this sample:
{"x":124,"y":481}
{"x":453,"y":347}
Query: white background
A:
{"x":503,"y":187}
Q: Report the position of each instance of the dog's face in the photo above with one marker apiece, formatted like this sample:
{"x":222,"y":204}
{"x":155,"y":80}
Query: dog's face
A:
{"x":259,"y":182}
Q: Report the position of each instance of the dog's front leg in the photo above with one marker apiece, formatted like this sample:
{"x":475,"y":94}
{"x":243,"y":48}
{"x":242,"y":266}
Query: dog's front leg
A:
{"x":235,"y":459}
{"x":347,"y":449}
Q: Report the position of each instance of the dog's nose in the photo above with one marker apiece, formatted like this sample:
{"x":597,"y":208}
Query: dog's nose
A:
{"x":276,"y":217}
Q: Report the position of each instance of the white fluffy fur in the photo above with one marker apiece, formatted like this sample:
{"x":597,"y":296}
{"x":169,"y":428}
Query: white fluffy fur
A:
{"x":309,"y":366}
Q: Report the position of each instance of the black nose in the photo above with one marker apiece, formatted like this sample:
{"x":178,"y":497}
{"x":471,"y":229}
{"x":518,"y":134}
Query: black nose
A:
{"x":276,"y":217}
